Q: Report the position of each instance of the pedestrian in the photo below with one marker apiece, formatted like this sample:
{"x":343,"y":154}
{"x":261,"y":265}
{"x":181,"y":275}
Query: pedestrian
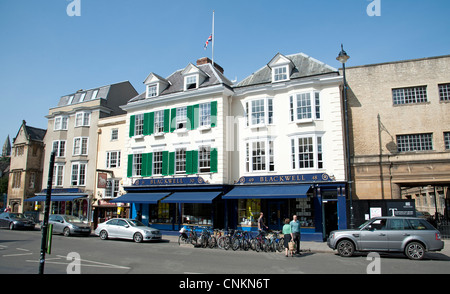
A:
{"x":261,"y":222}
{"x":287,"y":236}
{"x":295,"y":233}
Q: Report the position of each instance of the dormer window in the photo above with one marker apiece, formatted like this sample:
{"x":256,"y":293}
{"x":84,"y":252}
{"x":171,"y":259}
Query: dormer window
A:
{"x":280,"y":73}
{"x":190,"y":82}
{"x":155,"y":85}
{"x":152,"y":91}
{"x":281,"y":67}
{"x":193,"y":77}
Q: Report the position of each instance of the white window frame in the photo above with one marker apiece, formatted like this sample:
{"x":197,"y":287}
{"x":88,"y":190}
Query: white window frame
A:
{"x":80,"y":179}
{"x":94,"y":94}
{"x":267,"y":112}
{"x":205,"y":114}
{"x":60,"y":123}
{"x":114,"y":134}
{"x":78,"y":144}
{"x":268,"y":158}
{"x":204,"y":158}
{"x":157,"y":170}
{"x":112,"y":162}
{"x":317,"y":152}
{"x":191,"y":80}
{"x":58,"y":175}
{"x":139,"y":124}
{"x":158,"y":126}
{"x":137,"y":164}
{"x":59,"y":147}
{"x":112,"y":188}
{"x":181,"y":118}
{"x":82,"y":119}
{"x":152,"y":90}
{"x":313,"y":106}
{"x":180,"y":160}
{"x":280,"y":73}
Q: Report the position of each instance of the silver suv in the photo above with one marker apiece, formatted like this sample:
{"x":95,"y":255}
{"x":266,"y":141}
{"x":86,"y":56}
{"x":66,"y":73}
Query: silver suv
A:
{"x":413,"y":236}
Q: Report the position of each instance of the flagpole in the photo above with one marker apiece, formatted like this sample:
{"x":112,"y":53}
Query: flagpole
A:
{"x":213,"y":39}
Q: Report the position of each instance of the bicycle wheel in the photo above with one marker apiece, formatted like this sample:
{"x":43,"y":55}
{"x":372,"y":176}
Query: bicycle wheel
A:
{"x":212,"y":242}
{"x":181,"y":239}
{"x":280,"y":245}
{"x":235,"y":244}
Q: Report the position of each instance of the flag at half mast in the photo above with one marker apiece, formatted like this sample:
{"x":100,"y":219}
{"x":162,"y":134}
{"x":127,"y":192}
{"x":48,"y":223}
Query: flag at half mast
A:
{"x":211,"y":39}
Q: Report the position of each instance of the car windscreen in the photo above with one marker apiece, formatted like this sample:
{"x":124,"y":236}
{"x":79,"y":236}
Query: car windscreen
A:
{"x":72,"y":219}
{"x":136,"y":223}
{"x":17,"y":215}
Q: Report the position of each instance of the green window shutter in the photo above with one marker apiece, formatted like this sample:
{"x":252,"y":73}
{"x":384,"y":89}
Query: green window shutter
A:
{"x":151,"y":127}
{"x":173,"y":120}
{"x":130,"y":166}
{"x":132,"y":121}
{"x":194,"y":161}
{"x":213,"y":160}
{"x":144,"y":165}
{"x":196,"y":118}
{"x":190,"y":117}
{"x":146,"y":124}
{"x":171,"y":163}
{"x":166,"y":120}
{"x":213,"y":113}
{"x":189,"y":162}
{"x":165,"y":163}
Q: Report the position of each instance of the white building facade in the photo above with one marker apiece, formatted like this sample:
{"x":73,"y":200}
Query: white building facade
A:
{"x":202,"y":151}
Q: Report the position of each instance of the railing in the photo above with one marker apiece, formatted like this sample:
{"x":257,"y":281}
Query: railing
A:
{"x":444,"y":227}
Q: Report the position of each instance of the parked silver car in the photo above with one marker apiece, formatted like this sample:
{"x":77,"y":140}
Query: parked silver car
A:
{"x":125,"y":228}
{"x":68,"y":225}
{"x":413,"y":236}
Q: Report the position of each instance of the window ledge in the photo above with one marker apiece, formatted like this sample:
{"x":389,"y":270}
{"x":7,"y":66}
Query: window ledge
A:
{"x":204,"y":128}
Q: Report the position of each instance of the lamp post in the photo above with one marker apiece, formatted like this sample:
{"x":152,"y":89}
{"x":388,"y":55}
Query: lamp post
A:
{"x":342,"y":58}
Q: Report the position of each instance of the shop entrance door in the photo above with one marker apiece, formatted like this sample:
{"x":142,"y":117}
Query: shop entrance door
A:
{"x":330,"y":216}
{"x":276,"y":214}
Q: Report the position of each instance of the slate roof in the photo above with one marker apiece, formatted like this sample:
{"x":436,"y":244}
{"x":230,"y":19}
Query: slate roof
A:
{"x":176,"y":81}
{"x":304,"y":66}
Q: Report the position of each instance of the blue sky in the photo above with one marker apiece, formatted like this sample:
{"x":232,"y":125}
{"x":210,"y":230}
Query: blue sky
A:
{"x":45,"y":54}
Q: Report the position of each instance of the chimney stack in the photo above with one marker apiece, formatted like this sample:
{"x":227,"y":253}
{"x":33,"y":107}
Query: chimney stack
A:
{"x":205,"y":60}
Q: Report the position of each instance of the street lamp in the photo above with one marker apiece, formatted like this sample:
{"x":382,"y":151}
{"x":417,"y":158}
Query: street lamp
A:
{"x":342,"y":58}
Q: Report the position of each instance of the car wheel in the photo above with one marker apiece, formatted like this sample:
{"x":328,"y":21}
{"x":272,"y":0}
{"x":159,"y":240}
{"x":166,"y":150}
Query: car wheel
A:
{"x":415,"y":250}
{"x":11,"y":226}
{"x":103,"y":235}
{"x":345,"y":248}
{"x":137,"y":237}
{"x":66,"y":232}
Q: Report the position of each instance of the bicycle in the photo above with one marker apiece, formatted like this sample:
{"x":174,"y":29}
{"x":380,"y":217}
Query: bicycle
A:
{"x":188,"y":236}
{"x":224,"y":241}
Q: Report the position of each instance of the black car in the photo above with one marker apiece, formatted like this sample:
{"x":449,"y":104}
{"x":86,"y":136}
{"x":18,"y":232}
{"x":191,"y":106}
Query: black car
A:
{"x":15,"y":220}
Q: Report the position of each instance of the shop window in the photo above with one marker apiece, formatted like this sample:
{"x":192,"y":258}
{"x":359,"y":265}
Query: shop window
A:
{"x":196,"y":214}
{"x":159,"y":213}
{"x":304,"y":209}
{"x":248,"y":212}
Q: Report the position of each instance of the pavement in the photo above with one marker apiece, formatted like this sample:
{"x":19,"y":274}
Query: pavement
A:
{"x":305,"y":246}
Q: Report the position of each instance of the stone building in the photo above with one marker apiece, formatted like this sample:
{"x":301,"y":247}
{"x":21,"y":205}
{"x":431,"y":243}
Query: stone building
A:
{"x":25,"y":167}
{"x":73,"y":134}
{"x":400,"y":127}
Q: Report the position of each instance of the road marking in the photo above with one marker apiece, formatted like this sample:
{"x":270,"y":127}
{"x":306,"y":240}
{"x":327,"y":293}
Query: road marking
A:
{"x":94,"y":263}
{"x":17,"y":254}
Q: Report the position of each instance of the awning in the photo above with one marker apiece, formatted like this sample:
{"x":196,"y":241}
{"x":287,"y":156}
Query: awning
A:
{"x":147,"y":198}
{"x":191,"y":197}
{"x":58,"y":197}
{"x":267,"y":192}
